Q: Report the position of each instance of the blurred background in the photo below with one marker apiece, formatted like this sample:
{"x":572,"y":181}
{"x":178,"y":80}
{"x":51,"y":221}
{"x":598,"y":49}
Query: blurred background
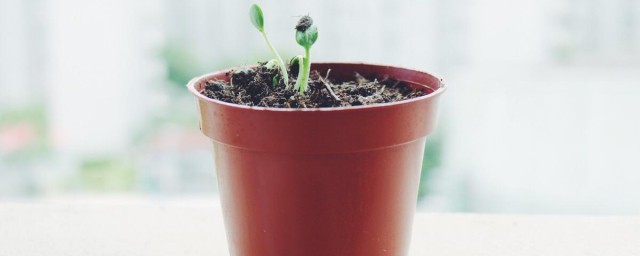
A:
{"x":542,"y":113}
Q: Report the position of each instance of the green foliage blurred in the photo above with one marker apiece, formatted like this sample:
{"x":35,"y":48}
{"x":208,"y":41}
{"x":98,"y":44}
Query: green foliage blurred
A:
{"x":105,"y":173}
{"x":182,"y":64}
{"x":431,"y":160}
{"x":30,"y":119}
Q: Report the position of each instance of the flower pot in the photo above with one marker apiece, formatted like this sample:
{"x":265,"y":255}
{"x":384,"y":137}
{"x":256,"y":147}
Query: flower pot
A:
{"x":328,"y":181}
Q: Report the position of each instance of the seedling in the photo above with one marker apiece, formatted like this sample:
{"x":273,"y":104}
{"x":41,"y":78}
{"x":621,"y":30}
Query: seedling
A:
{"x":306,"y":36}
{"x":257,"y":19}
{"x":262,"y":85}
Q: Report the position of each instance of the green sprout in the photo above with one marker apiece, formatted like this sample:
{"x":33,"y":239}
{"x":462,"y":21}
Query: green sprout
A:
{"x":271,"y":65}
{"x":297,"y":61}
{"x":306,"y":36}
{"x":255,"y":14}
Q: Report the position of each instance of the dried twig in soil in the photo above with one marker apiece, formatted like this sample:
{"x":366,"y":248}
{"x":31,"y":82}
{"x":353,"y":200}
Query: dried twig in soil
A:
{"x":326,"y":85}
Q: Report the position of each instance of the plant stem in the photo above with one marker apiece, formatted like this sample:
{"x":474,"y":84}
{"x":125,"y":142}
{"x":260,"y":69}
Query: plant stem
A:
{"x":283,"y":68}
{"x":306,"y":63}
{"x":300,"y":61}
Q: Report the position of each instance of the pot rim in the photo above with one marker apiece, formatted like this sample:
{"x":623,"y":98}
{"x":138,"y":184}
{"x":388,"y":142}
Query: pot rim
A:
{"x":191,"y":86}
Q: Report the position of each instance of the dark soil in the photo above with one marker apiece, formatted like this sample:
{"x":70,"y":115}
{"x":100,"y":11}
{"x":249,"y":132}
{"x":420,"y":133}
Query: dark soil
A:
{"x":263,"y":87}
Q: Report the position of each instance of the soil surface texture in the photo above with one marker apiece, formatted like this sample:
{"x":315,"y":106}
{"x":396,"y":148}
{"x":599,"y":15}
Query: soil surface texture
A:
{"x":264,"y":87}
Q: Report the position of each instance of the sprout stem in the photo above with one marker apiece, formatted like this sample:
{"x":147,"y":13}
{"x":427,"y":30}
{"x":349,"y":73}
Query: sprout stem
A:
{"x":283,"y":68}
{"x":306,"y":69}
{"x":306,"y":36}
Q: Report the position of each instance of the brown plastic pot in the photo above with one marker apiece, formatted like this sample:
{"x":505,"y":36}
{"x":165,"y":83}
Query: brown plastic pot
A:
{"x":326,"y":181}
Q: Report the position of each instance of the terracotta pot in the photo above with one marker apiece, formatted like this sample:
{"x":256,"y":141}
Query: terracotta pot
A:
{"x":327,"y":181}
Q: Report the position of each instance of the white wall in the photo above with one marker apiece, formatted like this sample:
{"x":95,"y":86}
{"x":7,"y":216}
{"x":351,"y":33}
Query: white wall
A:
{"x":20,"y":45}
{"x":528,"y":131}
{"x":102,"y":56}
